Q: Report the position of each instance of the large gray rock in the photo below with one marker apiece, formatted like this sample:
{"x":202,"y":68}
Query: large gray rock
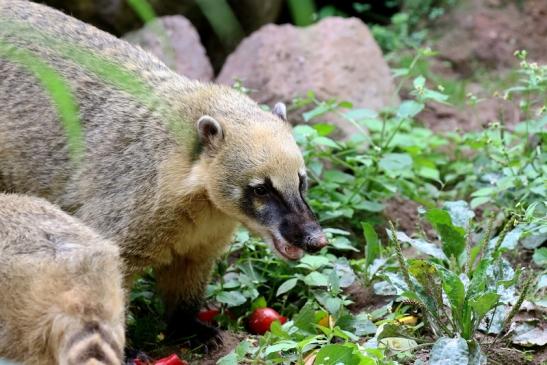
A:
{"x":490,"y":31}
{"x":174,"y":40}
{"x":335,"y":58}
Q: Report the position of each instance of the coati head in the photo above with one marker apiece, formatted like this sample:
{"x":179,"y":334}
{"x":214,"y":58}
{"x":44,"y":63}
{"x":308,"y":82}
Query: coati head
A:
{"x":257,"y":174}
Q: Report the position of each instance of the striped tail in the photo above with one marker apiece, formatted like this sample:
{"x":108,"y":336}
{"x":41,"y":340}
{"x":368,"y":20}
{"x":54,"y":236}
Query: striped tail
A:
{"x":91,"y":345}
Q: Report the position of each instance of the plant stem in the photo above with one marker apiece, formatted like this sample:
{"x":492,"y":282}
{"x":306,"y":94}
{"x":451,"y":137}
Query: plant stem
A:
{"x":401,"y":259}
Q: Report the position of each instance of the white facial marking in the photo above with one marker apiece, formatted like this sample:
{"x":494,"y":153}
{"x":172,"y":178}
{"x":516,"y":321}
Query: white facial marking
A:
{"x":256,"y":181}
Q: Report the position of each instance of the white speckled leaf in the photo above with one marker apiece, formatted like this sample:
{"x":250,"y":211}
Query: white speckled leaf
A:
{"x":449,"y":351}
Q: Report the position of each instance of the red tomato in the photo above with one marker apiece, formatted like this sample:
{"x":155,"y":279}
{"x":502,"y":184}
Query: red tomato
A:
{"x":208,"y":315}
{"x":171,"y":360}
{"x":261,"y":320}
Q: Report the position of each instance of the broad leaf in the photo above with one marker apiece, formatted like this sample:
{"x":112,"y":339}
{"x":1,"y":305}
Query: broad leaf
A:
{"x":455,"y":291}
{"x":335,"y":355}
{"x":483,"y":303}
{"x":530,"y":334}
{"x":316,"y":279}
{"x":420,"y":245}
{"x":231,"y":298}
{"x":313,"y":262}
{"x":449,"y":351}
{"x":540,"y":256}
{"x":453,"y":237}
{"x":460,"y":213}
{"x":395,"y":163}
{"x":230,"y":359}
{"x":305,"y":319}
{"x":284,"y":345}
{"x":409,"y":108}
{"x":287,"y":286}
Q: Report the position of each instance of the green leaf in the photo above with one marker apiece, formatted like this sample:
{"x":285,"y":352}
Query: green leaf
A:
{"x":360,"y":114}
{"x":475,"y":202}
{"x":369,"y":206}
{"x":449,"y":351}
{"x":483,"y":303}
{"x":395,"y":163}
{"x":324,"y":129}
{"x":325,"y":141}
{"x":455,"y":291}
{"x":540,"y":256}
{"x":453,"y":237}
{"x":398,"y":344}
{"x":336,"y":355}
{"x":230,"y":359}
{"x":316,"y":279}
{"x":342,"y":243}
{"x":409,"y":108}
{"x":478,"y":282}
{"x":313,"y":262}
{"x":259,"y":302}
{"x":438,"y":216}
{"x":317,"y":111}
{"x":305,"y":319}
{"x":284,"y":345}
{"x":373,"y":244}
{"x":420,"y":245}
{"x":459,"y":212}
{"x":362,"y":325}
{"x":231,"y":298}
{"x":286,"y":286}
{"x":429,"y":173}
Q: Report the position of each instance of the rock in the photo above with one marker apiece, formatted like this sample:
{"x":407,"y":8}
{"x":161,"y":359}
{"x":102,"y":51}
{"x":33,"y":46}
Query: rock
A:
{"x":177,"y":44}
{"x":490,"y":32}
{"x":335,"y":58}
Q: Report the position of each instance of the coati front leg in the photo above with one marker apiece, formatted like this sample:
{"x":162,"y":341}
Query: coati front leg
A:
{"x":182,"y":285}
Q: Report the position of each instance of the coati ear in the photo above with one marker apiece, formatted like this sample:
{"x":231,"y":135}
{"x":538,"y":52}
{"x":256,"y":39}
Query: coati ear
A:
{"x":209,"y":131}
{"x":280,"y":110}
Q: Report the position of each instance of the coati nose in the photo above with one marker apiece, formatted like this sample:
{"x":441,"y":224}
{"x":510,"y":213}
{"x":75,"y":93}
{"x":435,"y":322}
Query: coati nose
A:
{"x":316,"y":241}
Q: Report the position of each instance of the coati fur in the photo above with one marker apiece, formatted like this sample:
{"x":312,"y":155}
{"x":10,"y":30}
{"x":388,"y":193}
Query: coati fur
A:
{"x":169,"y":165}
{"x":61,"y":298}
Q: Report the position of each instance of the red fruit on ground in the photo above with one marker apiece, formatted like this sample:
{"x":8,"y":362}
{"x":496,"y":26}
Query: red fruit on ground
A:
{"x":261,"y":320}
{"x":171,"y":360}
{"x":208,"y":315}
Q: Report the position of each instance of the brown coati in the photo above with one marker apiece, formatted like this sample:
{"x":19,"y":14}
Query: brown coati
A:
{"x":61,"y":297}
{"x":170,"y":165}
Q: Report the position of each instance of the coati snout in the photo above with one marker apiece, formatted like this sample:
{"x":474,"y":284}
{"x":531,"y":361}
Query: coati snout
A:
{"x":263,"y":180}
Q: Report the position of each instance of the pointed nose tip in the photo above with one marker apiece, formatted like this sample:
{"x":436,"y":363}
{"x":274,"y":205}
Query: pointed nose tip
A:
{"x":321,"y":241}
{"x":317,"y":242}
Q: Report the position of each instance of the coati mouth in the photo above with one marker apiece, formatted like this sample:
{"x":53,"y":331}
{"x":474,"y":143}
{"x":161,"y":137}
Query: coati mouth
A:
{"x":285,"y":249}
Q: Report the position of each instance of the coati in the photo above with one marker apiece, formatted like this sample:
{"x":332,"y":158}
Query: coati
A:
{"x":169,"y":165}
{"x":61,"y":298}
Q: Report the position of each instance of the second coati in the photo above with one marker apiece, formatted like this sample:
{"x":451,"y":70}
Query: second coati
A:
{"x":169,"y":166}
{"x":61,"y":297}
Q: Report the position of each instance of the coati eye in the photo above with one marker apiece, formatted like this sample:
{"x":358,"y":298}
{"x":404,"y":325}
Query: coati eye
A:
{"x":260,"y":190}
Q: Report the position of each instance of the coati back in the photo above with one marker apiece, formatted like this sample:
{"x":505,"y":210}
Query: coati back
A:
{"x":170,"y":165}
{"x":61,"y":296}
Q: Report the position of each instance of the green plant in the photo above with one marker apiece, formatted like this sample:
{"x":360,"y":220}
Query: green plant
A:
{"x":466,"y":286}
{"x":256,"y":275}
{"x":308,"y":335}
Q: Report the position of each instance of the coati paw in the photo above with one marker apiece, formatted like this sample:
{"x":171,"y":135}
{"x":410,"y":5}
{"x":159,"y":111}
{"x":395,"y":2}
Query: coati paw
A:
{"x":197,"y":335}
